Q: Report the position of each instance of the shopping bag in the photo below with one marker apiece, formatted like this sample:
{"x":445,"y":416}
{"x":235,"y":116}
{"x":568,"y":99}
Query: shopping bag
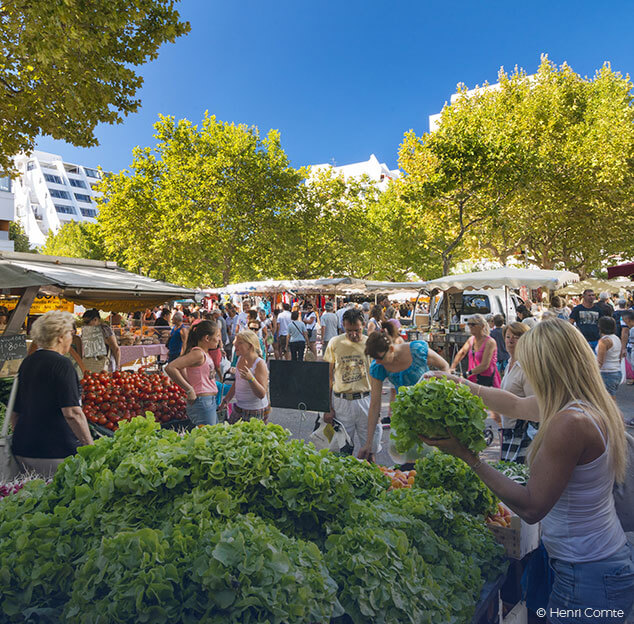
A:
{"x":332,"y":436}
{"x":624,"y":492}
{"x":8,"y":466}
{"x":225,"y":365}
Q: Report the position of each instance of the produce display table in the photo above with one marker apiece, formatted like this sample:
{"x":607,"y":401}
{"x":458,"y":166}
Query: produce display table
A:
{"x":130,"y":354}
{"x":488,"y":607}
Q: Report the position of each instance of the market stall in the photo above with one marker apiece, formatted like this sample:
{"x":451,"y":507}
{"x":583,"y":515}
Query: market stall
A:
{"x":33,"y":283}
{"x":613,"y":286}
{"x":505,"y":278}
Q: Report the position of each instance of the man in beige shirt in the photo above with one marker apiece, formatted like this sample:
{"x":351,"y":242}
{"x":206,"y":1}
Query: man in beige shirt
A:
{"x":350,"y":379}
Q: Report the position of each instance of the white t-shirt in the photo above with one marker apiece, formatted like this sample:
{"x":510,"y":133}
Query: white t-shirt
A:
{"x":243,"y":320}
{"x":515,"y":382}
{"x":310,"y":320}
{"x":329,"y":324}
{"x":283,"y":320}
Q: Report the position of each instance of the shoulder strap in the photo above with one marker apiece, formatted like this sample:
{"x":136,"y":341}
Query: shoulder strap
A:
{"x":10,"y":404}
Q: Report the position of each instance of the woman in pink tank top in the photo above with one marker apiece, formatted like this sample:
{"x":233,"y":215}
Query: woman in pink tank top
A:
{"x":482,"y":351}
{"x":194,"y":372}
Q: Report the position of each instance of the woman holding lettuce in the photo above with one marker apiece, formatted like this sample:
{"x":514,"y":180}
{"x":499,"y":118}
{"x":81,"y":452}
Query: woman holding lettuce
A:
{"x":575,"y":458}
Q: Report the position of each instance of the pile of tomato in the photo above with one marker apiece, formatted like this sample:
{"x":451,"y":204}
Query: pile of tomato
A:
{"x":111,"y":397}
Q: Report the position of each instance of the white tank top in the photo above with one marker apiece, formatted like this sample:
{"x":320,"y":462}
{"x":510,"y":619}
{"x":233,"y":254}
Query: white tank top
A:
{"x":245,"y":397}
{"x":583,"y":525}
{"x":612,"y":362}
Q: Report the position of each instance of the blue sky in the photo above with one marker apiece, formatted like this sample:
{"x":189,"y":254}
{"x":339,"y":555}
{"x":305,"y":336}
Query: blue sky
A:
{"x":341,"y":80}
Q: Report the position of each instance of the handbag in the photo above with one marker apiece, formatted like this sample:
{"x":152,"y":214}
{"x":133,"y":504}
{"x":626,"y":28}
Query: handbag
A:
{"x":624,"y":492}
{"x":9,"y":468}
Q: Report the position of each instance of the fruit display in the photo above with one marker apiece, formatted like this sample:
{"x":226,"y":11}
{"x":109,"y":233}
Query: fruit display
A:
{"x":109,"y":398}
{"x":439,"y":470}
{"x":399,"y":478}
{"x":235,"y":524}
{"x":501,"y":517}
{"x":433,"y":406}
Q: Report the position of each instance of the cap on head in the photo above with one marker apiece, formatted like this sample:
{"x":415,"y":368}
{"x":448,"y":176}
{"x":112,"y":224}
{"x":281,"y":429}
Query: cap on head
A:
{"x":329,"y":305}
{"x":366,"y":306}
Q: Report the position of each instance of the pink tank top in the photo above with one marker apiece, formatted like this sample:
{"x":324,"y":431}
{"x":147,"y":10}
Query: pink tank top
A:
{"x":200,"y":377}
{"x":475,"y":359}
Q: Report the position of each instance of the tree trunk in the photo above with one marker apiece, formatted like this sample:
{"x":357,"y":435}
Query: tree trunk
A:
{"x":226,"y":271}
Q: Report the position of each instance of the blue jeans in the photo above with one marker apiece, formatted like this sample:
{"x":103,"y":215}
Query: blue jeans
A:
{"x":611,"y":381}
{"x":203,"y":410}
{"x":580,"y":590}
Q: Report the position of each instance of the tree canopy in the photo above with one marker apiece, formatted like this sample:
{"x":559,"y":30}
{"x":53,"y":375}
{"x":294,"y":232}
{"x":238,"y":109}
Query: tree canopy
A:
{"x":529,"y":166}
{"x":202,"y":207}
{"x":76,"y":239}
{"x":67,"y":66}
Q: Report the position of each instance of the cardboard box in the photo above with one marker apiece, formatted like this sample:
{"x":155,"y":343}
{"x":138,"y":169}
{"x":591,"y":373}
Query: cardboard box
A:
{"x":517,"y":615}
{"x":519,"y":539}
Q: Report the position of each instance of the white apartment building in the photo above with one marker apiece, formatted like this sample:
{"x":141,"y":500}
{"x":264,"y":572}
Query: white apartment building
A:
{"x":434,"y":120}
{"x":50,"y":192}
{"x":6,"y":213}
{"x":376,"y":171}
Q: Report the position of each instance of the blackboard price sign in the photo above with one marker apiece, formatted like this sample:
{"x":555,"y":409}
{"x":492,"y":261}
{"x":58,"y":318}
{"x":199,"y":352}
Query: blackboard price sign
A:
{"x":300,"y":385}
{"x":12,"y":347}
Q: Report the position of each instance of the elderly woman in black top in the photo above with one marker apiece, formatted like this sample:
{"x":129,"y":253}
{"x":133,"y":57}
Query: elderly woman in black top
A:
{"x":48,"y":422}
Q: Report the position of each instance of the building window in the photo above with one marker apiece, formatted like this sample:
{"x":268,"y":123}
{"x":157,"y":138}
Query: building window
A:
{"x":91,"y":173}
{"x":61,"y":208}
{"x":77,"y":183}
{"x":5,"y":184}
{"x":83,"y":198}
{"x":59,"y":194}
{"x":49,"y":177}
{"x":89,"y":212}
{"x":31,"y":165}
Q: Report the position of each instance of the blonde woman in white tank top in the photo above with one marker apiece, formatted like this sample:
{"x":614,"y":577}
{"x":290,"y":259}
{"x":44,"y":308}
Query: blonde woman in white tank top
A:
{"x":609,"y":354}
{"x":575,"y":459}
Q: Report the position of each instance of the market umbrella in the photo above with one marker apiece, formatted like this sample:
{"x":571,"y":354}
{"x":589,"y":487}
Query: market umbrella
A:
{"x":598,"y":285}
{"x":506,"y":277}
{"x":624,"y":270}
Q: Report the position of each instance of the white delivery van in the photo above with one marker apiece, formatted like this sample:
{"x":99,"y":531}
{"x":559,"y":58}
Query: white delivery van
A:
{"x":463,"y":305}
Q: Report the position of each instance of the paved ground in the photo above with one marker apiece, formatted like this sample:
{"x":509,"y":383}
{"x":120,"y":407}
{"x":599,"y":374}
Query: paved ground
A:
{"x":301,"y":425}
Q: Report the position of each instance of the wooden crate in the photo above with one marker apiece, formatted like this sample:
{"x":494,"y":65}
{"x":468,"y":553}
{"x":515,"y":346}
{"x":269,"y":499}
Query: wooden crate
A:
{"x":519,"y":539}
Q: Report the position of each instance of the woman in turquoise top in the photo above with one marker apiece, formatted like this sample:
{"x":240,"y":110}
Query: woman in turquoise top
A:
{"x":403,"y":364}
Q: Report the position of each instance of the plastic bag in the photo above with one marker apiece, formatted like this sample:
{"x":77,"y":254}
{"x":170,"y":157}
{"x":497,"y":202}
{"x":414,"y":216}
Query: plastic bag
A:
{"x":332,"y":436}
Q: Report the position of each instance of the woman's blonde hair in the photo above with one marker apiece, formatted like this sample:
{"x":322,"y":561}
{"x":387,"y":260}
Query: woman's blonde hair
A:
{"x":562,"y":368}
{"x":50,"y":326}
{"x":517,"y":329}
{"x":251,"y":338}
{"x":480,"y":320}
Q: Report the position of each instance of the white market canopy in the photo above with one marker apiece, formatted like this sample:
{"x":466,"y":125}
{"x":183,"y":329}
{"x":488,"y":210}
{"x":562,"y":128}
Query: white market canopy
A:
{"x":598,"y":285}
{"x":335,"y":285}
{"x":506,"y":277}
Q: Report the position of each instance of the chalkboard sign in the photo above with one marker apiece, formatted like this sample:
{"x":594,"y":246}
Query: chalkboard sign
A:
{"x":12,"y":347}
{"x":300,"y":385}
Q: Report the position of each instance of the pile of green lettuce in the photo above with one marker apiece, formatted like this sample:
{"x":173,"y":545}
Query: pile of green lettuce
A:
{"x":234,"y":524}
{"x":451,"y":474}
{"x":431,"y":407}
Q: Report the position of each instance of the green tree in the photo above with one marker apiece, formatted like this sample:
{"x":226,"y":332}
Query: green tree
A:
{"x":19,"y":238}
{"x":400,"y":243}
{"x":533,"y":165}
{"x":325,"y":231}
{"x":67,"y":66}
{"x":76,"y":240}
{"x":203,"y":207}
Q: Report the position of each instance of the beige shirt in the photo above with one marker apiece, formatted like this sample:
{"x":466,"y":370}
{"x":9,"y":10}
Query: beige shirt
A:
{"x":515,"y":381}
{"x":352,"y":365}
